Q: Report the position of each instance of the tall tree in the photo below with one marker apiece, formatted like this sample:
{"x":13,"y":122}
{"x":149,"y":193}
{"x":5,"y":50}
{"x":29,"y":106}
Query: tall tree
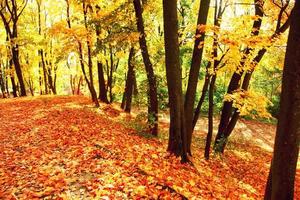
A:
{"x":230,"y":115}
{"x":129,"y":87}
{"x":90,"y":80}
{"x":219,"y":10}
{"x":10,"y":12}
{"x":194,"y":72}
{"x":177,"y":132}
{"x":152,"y":85}
{"x":286,"y":149}
{"x":234,"y":83}
{"x":101,"y":80}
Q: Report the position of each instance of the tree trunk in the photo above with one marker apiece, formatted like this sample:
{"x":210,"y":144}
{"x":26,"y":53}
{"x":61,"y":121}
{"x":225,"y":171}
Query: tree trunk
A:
{"x":101,"y":80}
{"x":152,"y":85}
{"x":194,"y":73}
{"x":286,"y":149}
{"x":12,"y":79}
{"x":129,"y":82}
{"x":210,"y":117}
{"x":15,"y":57}
{"x":177,"y":132}
{"x":90,"y":62}
{"x":91,"y":89}
{"x":227,"y":110}
{"x":201,"y":100}
{"x":2,"y":85}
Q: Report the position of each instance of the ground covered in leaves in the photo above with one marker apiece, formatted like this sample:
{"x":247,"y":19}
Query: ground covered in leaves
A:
{"x":63,"y":148}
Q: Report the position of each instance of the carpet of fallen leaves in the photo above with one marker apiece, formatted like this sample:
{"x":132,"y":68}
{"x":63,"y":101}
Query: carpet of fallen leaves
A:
{"x":63,"y":148}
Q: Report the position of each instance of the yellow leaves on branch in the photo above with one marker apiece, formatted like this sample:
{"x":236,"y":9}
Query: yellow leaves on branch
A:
{"x":249,"y":103}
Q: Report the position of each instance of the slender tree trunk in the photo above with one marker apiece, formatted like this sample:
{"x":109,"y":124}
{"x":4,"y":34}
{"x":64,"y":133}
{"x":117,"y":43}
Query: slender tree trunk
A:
{"x":90,"y":62}
{"x":227,"y":110}
{"x":43,"y":65}
{"x":177,"y":132}
{"x":201,"y":100}
{"x":194,"y":73}
{"x":129,"y":82}
{"x":124,"y":93}
{"x":152,"y":85}
{"x":286,"y":149}
{"x":210,"y":117}
{"x":92,"y":91}
{"x":101,"y":80}
{"x":15,"y":57}
{"x":2,"y":85}
{"x":12,"y":79}
{"x":68,"y":14}
{"x":227,"y":130}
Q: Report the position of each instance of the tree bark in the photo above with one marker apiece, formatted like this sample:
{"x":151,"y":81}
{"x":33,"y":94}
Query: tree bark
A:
{"x":89,"y":54}
{"x":129,"y":82}
{"x":194,"y":72}
{"x":234,"y":84}
{"x":101,"y":80}
{"x":227,"y":130}
{"x":12,"y":31}
{"x":177,"y":132}
{"x":152,"y":85}
{"x":286,"y":149}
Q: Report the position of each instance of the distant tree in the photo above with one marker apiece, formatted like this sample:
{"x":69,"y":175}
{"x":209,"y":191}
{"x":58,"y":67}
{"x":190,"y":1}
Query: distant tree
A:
{"x":10,"y":12}
{"x":152,"y":85}
{"x":129,"y":86}
{"x":281,"y":178}
{"x":177,"y":132}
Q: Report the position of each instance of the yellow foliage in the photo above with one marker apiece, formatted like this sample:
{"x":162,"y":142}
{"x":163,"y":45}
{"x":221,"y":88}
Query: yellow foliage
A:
{"x":249,"y":103}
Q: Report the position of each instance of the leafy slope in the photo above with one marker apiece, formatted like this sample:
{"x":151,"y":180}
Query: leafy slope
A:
{"x":62,"y":148}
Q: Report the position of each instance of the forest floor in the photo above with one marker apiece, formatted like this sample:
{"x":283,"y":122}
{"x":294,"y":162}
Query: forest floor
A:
{"x":63,"y":148}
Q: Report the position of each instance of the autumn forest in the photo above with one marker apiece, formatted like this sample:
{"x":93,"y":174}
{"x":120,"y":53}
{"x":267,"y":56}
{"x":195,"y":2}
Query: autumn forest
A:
{"x":140,"y":99}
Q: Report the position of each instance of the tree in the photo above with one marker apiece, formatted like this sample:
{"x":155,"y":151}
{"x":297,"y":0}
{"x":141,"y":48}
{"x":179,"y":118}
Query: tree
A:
{"x":129,"y":86}
{"x":10,"y":12}
{"x":152,"y":85}
{"x":194,"y":72}
{"x":177,"y":132}
{"x":281,"y":178}
{"x":238,"y":82}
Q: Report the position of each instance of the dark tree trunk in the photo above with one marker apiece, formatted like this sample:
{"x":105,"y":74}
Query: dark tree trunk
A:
{"x":91,"y":89}
{"x":227,"y":130}
{"x":286,"y":149}
{"x":90,"y":82}
{"x":80,"y":81}
{"x":101,"y":80}
{"x":152,"y":86}
{"x":2,"y":82}
{"x":177,"y":132}
{"x":12,"y":33}
{"x":194,"y":73}
{"x":129,"y":82}
{"x":210,"y":117}
{"x":227,"y":110}
{"x":135,"y":86}
{"x":43,"y":65}
{"x":201,"y":100}
{"x":15,"y":57}
{"x":124,"y":93}
{"x":12,"y":79}
{"x":68,"y":14}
